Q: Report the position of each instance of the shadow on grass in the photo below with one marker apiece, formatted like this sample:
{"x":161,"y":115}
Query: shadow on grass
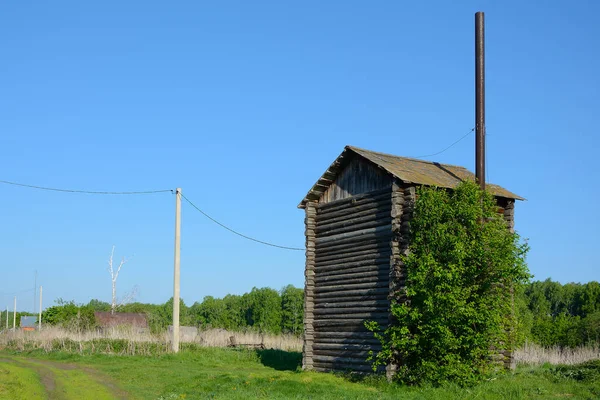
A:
{"x":280,"y":360}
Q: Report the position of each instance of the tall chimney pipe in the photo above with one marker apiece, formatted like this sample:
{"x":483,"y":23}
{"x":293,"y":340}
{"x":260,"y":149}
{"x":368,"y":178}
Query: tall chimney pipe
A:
{"x":479,"y":100}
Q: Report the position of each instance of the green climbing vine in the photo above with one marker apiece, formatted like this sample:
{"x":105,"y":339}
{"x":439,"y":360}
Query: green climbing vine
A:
{"x":462,"y":267}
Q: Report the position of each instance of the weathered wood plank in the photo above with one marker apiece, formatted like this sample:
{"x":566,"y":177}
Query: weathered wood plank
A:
{"x":353,"y":214}
{"x":337,"y":340}
{"x":355,"y":281}
{"x":371,"y":304}
{"x":351,"y":311}
{"x":354,"y":228}
{"x":350,"y":287}
{"x":341,"y":261}
{"x":356,"y":323}
{"x":384,"y":262}
{"x":371,"y":315}
{"x":378,"y":231}
{"x":356,"y":240}
{"x":362,"y":293}
{"x":355,"y":220}
{"x":375,"y":194}
{"x":375,"y":275}
{"x":383,"y":267}
{"x":372,"y":245}
{"x":339,"y":360}
{"x":373,"y":206}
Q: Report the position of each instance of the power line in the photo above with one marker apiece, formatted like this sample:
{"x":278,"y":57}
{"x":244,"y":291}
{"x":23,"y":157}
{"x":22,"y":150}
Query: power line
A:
{"x":237,"y":233}
{"x":447,"y":148}
{"x":84,"y":191}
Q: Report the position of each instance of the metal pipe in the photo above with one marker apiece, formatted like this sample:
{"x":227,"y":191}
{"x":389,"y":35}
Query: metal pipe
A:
{"x":480,"y":99}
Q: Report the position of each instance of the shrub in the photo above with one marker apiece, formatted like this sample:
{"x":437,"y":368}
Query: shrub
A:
{"x":462,"y":266}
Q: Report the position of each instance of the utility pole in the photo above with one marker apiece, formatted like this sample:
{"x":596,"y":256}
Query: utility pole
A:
{"x":176,"y":275}
{"x":6,"y":317}
{"x":34,"y":290}
{"x":40,"y":316}
{"x":15,"y":316}
{"x":480,"y":99}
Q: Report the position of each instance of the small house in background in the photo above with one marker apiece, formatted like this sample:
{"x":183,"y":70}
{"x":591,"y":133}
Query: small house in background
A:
{"x":28,"y":323}
{"x":356,"y":231}
{"x":107,"y":320}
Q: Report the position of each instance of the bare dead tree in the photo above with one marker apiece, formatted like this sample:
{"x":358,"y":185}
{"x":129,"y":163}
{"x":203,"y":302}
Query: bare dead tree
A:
{"x":113,"y":276}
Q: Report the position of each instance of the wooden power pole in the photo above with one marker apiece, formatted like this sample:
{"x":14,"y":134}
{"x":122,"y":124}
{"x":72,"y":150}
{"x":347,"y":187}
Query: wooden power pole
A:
{"x":480,"y":100}
{"x":15,"y":316}
{"x":176,"y":275}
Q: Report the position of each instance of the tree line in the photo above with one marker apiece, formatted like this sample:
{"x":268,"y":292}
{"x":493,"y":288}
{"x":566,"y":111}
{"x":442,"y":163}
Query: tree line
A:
{"x":549,"y":313}
{"x":552,"y":314}
{"x":264,"y":310}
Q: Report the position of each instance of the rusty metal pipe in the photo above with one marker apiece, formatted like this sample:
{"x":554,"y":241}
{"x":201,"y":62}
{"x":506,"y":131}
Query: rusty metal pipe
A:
{"x":480,"y":99}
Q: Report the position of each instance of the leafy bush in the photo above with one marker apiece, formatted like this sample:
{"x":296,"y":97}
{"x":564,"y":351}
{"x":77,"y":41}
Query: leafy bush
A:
{"x":70,"y":315}
{"x":461,"y":269}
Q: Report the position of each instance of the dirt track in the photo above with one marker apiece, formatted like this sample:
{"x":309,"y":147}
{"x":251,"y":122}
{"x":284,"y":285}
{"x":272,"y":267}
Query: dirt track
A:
{"x":63,"y":381}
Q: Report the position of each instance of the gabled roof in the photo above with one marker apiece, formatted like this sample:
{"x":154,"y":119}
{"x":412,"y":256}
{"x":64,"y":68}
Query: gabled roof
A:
{"x":408,"y":170}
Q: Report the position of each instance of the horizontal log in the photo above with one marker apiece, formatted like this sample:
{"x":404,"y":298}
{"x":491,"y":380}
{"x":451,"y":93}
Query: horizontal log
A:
{"x":358,"y":354}
{"x":352,"y":203}
{"x":353,"y":310}
{"x":339,"y":360}
{"x":384,"y":262}
{"x":351,"y":255}
{"x":354,"y":228}
{"x":351,"y":248}
{"x":346,"y":346}
{"x":343,"y":260}
{"x":367,"y":316}
{"x":337,"y":340}
{"x":343,"y":334}
{"x":355,"y":220}
{"x":384,"y":205}
{"x":378,"y":231}
{"x":350,"y":287}
{"x":353,"y":304}
{"x":352,"y":214}
{"x":355,"y":323}
{"x":363,"y":293}
{"x":379,"y":300}
{"x":384,"y":280}
{"x":357,"y":199}
{"x":382,"y":267}
{"x":375,"y":275}
{"x":355,"y":240}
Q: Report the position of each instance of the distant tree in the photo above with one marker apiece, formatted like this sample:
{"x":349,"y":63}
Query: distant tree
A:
{"x":292,"y":309}
{"x":99,"y":305}
{"x":114,"y":275}
{"x":265,"y":310}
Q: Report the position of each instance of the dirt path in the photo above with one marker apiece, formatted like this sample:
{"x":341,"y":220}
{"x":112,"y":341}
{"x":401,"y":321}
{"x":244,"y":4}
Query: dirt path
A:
{"x":63,"y":381}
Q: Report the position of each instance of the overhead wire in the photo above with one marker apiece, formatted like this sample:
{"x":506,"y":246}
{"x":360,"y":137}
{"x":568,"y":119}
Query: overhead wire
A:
{"x":238,"y":233}
{"x":449,"y":147}
{"x":195,"y":206}
{"x":85,"y":191}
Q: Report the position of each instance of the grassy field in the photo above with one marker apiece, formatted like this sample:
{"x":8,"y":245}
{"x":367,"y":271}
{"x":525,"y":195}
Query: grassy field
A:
{"x":214,"y":373}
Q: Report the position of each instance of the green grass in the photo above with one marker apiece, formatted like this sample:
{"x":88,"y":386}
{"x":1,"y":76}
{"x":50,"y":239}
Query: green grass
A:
{"x":19,"y":383}
{"x":212,"y":373}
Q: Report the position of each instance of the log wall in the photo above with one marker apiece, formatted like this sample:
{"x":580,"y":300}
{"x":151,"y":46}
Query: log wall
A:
{"x":356,"y":178}
{"x":347,"y":280}
{"x":309,"y":285}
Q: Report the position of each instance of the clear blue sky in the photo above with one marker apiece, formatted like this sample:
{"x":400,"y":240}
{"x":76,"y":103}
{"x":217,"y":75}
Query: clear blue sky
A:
{"x":245,"y":104}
